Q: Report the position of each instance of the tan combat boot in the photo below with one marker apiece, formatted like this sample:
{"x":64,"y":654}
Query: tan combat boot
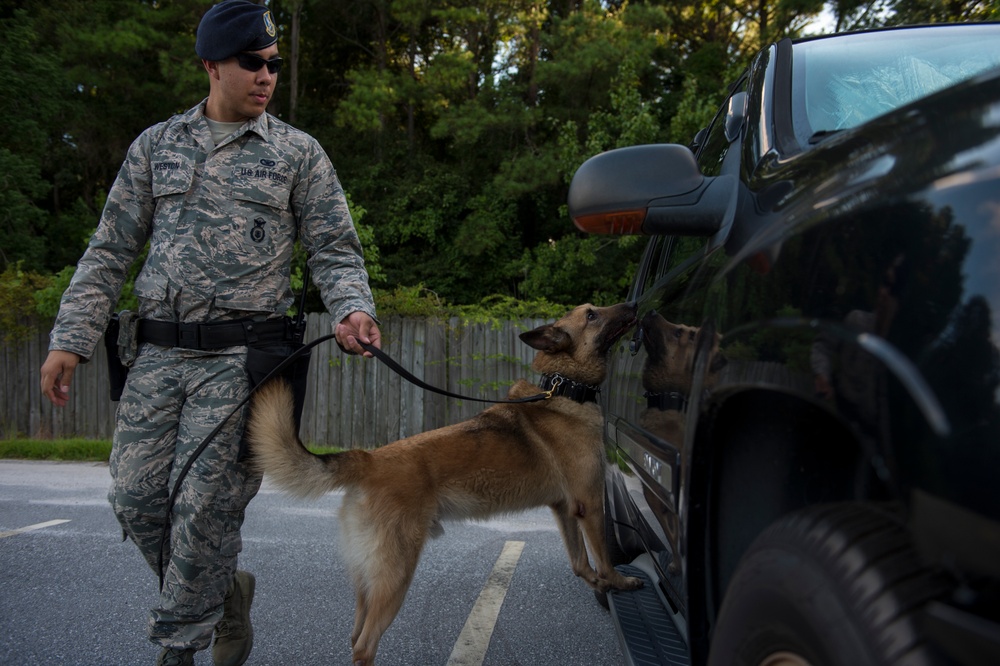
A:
{"x":233,"y":633}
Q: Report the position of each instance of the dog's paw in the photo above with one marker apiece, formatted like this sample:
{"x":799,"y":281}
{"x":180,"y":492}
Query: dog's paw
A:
{"x":630,"y":583}
{"x":617,"y":582}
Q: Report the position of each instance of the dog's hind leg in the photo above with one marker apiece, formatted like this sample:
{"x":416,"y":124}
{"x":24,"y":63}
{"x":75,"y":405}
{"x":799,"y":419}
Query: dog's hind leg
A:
{"x":360,"y":610}
{"x":388,"y":575}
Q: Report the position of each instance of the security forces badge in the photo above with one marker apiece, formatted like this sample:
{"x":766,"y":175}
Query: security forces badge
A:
{"x":269,"y":24}
{"x":258,"y":230}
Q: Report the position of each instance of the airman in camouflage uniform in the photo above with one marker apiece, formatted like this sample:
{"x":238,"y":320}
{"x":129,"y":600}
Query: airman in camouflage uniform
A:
{"x":220,"y":193}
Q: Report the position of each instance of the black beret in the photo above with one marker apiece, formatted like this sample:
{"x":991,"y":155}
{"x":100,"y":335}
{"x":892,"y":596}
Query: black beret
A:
{"x":234,"y":26}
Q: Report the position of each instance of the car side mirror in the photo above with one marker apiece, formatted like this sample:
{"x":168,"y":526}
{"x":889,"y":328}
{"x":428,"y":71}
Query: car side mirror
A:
{"x":652,"y":189}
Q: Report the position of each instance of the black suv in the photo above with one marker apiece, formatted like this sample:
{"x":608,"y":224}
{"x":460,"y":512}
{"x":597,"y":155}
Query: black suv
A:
{"x":804,"y":430}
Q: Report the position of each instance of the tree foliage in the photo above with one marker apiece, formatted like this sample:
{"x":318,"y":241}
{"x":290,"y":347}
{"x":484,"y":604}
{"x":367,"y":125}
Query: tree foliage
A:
{"x":455,"y":125}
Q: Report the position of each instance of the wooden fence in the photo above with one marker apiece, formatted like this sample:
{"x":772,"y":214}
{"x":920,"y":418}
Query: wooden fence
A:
{"x":350,"y":401}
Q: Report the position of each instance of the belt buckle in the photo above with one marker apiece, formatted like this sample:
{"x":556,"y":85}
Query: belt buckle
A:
{"x":188,"y":337}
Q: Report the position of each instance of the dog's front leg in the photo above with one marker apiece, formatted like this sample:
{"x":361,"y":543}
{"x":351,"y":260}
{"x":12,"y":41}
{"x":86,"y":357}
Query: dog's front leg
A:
{"x":593,"y":529}
{"x":573,"y":538}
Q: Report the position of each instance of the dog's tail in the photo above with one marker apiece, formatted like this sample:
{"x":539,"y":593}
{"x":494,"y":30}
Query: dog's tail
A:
{"x":276,"y":450}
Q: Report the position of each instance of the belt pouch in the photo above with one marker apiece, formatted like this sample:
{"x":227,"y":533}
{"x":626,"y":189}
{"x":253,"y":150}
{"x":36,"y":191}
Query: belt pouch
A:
{"x":263,"y":359}
{"x":117,"y":372}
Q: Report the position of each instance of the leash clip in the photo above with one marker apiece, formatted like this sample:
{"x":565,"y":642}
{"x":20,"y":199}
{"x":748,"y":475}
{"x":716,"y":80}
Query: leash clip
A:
{"x":557,"y":381}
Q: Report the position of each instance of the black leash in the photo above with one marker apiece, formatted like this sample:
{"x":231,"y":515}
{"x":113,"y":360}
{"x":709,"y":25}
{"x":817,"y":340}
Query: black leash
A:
{"x":405,"y":374}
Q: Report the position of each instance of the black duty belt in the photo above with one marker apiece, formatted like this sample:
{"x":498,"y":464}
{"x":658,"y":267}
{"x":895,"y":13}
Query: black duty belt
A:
{"x":215,"y":335}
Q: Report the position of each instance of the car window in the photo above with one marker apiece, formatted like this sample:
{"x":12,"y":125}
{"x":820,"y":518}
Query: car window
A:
{"x":666,"y":279}
{"x":841,"y":82}
{"x":716,"y":145}
{"x":654,"y":257}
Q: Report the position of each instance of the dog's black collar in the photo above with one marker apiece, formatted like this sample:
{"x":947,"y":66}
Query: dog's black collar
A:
{"x":671,"y":400}
{"x":558,"y":385}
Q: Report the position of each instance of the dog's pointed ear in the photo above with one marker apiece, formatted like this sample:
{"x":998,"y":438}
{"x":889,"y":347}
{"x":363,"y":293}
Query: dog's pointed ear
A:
{"x":547,"y":338}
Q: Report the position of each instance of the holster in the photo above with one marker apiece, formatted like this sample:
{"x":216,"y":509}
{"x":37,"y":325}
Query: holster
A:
{"x":117,"y":371}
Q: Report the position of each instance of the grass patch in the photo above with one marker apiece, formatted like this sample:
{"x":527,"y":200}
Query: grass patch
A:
{"x":320,"y":450}
{"x":75,"y":450}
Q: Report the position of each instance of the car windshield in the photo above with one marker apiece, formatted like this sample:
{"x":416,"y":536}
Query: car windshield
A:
{"x":840,"y":82}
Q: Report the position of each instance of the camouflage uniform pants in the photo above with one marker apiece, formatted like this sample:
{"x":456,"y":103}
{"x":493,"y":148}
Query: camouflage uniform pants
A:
{"x":173,"y":399}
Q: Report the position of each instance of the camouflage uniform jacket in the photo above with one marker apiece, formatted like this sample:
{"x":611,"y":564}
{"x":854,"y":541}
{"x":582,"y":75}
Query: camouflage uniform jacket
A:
{"x":221,"y":222}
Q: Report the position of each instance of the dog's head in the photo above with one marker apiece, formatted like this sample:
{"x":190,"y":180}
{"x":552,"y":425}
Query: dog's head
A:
{"x":670,"y":352}
{"x":577,"y":345}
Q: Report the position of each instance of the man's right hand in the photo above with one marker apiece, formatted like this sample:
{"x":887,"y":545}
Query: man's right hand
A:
{"x":57,"y":374}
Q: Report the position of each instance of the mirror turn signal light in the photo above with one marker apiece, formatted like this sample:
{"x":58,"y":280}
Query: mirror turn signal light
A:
{"x":613,"y":222}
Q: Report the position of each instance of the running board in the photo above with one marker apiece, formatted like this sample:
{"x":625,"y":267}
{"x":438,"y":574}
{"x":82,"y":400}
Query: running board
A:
{"x":645,"y":628}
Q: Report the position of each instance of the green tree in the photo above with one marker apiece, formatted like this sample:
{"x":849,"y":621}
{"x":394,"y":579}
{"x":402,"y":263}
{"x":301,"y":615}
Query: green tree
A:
{"x":456,"y":125}
{"x":463,"y":110}
{"x":86,"y":79}
{"x":34,"y":107}
{"x":942,"y":11}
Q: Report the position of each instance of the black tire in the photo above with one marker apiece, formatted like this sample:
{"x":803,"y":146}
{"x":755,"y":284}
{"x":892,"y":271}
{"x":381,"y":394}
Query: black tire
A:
{"x":831,"y":585}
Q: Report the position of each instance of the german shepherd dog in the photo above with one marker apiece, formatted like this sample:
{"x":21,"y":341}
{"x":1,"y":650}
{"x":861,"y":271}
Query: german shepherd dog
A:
{"x":510,"y":457}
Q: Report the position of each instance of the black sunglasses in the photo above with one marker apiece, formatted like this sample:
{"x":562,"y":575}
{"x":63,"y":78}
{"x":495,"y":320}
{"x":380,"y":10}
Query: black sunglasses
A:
{"x":253,"y":63}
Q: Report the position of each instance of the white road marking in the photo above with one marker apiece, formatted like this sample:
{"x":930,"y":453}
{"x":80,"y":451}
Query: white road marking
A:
{"x":470,"y":648}
{"x":31,"y":528}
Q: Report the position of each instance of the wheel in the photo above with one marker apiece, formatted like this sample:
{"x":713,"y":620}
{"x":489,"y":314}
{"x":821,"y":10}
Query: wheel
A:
{"x":831,"y":585}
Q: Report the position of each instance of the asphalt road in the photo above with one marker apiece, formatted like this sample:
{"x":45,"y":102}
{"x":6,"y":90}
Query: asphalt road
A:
{"x":71,"y":593}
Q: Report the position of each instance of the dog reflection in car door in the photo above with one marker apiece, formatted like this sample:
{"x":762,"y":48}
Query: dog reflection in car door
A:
{"x":667,"y":377}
